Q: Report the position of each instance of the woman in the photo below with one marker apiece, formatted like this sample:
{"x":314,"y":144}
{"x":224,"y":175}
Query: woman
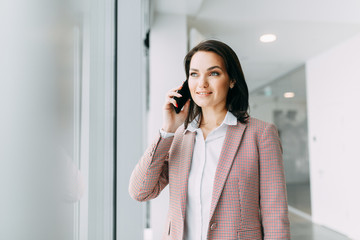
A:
{"x":224,"y":168}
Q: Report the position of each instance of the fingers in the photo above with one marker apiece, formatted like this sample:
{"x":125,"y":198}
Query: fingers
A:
{"x":171,"y":94}
{"x":168,"y":102}
{"x":176,"y":89}
{"x":173,"y":102}
{"x":174,"y":94}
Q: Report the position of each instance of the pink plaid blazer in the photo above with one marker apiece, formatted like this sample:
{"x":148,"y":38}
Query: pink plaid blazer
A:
{"x":249,"y":195}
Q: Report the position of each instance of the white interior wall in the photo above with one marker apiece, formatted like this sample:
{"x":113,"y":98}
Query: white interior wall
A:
{"x":333,"y":88}
{"x":168,"y":47}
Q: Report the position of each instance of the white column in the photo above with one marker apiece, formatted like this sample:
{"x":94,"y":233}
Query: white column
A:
{"x":130,"y":115}
{"x":168,"y":47}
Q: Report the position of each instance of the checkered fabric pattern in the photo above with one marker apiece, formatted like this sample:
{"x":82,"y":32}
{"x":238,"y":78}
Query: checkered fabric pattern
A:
{"x":249,"y":196}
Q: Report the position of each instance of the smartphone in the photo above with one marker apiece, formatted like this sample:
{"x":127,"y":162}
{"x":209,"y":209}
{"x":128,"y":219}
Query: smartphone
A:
{"x":185,"y":93}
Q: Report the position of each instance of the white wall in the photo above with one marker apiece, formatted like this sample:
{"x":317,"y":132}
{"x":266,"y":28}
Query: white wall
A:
{"x":168,"y":47}
{"x":333,"y":82}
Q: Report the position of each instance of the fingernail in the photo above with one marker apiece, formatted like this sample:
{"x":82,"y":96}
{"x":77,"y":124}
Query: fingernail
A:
{"x":176,"y":105}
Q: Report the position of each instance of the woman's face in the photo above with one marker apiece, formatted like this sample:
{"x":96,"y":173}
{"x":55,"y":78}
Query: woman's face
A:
{"x":208,"y":80}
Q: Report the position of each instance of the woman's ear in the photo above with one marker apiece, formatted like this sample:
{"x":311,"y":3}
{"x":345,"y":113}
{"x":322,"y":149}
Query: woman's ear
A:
{"x":232,"y":83}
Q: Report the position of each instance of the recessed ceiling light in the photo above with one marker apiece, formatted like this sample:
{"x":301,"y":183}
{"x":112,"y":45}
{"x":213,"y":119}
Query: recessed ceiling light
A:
{"x":289,"y":95}
{"x":267,"y":38}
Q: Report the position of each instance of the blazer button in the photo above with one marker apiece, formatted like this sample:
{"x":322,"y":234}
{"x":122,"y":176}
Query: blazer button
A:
{"x":213,"y":226}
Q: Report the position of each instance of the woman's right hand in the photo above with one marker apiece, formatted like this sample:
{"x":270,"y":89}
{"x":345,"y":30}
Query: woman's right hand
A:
{"x":172,"y":120}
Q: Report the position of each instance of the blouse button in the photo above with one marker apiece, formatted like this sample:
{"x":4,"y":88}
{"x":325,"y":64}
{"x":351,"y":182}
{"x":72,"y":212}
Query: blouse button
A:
{"x":213,"y":226}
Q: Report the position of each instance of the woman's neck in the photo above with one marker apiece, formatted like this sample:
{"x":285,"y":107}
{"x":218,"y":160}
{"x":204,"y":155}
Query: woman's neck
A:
{"x":212,"y":118}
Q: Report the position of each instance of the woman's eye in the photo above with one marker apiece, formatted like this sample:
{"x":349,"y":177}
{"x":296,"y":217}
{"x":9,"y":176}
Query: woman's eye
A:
{"x":193,"y":74}
{"x":214,"y":74}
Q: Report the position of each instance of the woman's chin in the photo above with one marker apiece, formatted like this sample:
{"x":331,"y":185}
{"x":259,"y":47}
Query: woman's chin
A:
{"x":202,"y":104}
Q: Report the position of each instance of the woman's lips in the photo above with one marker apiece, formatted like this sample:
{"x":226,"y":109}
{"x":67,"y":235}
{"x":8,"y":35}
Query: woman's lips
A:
{"x":203,"y":93}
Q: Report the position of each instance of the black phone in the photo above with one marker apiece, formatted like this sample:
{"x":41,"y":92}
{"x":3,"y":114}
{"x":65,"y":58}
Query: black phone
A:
{"x":185,"y":93}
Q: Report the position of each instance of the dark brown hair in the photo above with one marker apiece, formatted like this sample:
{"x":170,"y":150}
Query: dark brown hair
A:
{"x":237,"y":101}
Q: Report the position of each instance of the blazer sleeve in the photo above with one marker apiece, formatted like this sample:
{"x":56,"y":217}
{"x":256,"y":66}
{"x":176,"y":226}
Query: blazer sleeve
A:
{"x":273,"y":199}
{"x":151,"y":175}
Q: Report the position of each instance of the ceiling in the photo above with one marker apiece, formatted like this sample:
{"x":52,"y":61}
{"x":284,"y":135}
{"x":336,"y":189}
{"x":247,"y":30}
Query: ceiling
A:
{"x":304,"y":29}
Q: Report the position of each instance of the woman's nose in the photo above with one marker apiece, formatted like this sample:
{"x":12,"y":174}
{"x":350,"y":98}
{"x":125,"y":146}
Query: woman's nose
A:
{"x":203,"y":82}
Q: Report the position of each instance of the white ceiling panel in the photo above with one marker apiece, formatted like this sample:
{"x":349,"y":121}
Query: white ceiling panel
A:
{"x":304,"y":28}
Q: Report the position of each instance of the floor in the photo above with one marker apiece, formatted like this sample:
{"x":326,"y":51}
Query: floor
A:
{"x":301,"y":226}
{"x":303,"y":229}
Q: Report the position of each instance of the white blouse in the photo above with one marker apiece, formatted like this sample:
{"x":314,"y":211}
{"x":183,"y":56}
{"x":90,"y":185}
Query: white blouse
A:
{"x":201,"y":177}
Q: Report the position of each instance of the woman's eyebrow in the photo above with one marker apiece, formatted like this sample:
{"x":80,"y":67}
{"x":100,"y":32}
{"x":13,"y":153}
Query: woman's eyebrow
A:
{"x":209,"y":69}
{"x":213,"y":67}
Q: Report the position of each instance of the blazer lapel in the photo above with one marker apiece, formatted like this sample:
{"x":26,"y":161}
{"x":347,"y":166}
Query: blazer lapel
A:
{"x":184,"y":167}
{"x":229,"y":149}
